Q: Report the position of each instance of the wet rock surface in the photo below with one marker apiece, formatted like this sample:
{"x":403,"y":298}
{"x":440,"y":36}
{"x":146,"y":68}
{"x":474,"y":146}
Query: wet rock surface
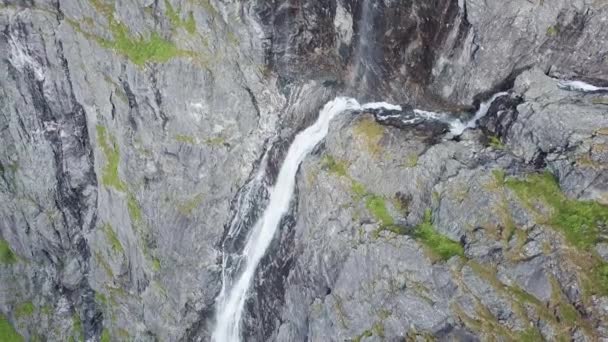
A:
{"x":130,"y":132}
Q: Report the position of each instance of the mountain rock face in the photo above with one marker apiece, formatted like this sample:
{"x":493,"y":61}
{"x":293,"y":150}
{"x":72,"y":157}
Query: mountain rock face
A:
{"x":131,"y":130}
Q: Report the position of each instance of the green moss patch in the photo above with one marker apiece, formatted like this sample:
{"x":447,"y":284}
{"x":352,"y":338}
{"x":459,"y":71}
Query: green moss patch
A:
{"x":104,"y":264}
{"x":216,"y":141}
{"x":377,"y":207}
{"x":438,"y":244}
{"x":7,"y":256}
{"x":138,"y":49}
{"x":581,"y":222}
{"x":366,"y":333}
{"x":358,"y":190}
{"x":338,"y":167}
{"x":109,"y":147}
{"x":101,"y":298}
{"x":24,"y":310}
{"x":134,"y":209}
{"x":495,"y":143}
{"x":105,"y":336}
{"x":189,"y":24}
{"x":156,"y":264}
{"x":411,"y":161}
{"x":371,"y":133}
{"x":185,"y":139}
{"x":552,"y":31}
{"x":77,"y":327}
{"x":7,"y":332}
{"x":113,"y":239}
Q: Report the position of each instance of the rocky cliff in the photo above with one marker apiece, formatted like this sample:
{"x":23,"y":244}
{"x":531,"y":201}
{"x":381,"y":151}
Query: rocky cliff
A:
{"x":132,"y":133}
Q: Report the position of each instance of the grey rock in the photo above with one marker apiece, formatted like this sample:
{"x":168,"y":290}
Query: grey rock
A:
{"x":120,"y":173}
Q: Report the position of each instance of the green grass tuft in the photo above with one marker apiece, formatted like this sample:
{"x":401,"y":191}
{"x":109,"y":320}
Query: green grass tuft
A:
{"x":185,"y":139}
{"x":552,"y":31}
{"x":377,"y":207}
{"x":101,"y":298}
{"x":77,"y":327}
{"x":412,"y":161}
{"x":7,"y":256}
{"x":216,"y":141}
{"x":599,"y":277}
{"x":7,"y":332}
{"x":138,"y":49}
{"x":334,"y":166}
{"x":499,"y":176}
{"x":530,"y":335}
{"x":109,"y":147}
{"x":189,"y":24}
{"x":438,"y":244}
{"x":378,"y":329}
{"x":24,"y":310}
{"x":173,"y":16}
{"x":579,"y":221}
{"x":105,"y":336}
{"x":358,"y":190}
{"x":156,"y":264}
{"x":366,"y":333}
{"x":371,"y":132}
{"x":113,"y":238}
{"x":134,"y":209}
{"x":496,"y":143}
{"x":104,"y":264}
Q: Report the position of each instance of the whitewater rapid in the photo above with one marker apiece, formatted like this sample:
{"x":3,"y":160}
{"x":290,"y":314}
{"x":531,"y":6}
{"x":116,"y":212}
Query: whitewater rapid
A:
{"x":231,"y":301}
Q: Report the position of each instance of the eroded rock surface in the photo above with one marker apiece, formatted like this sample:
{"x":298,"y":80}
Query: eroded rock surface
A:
{"x":130,"y":131}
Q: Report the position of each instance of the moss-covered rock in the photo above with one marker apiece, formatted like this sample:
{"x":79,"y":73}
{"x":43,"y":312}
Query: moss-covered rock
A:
{"x":7,"y":332}
{"x":7,"y":256}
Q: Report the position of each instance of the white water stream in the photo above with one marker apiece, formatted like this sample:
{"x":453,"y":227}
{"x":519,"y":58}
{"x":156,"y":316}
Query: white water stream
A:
{"x":231,"y":301}
{"x":457,"y":126}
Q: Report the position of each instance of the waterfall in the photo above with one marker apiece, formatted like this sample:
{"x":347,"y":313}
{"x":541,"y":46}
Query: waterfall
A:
{"x":231,"y":301}
{"x":412,"y":116}
{"x":238,"y":275}
{"x":457,"y":126}
{"x":365,"y":46}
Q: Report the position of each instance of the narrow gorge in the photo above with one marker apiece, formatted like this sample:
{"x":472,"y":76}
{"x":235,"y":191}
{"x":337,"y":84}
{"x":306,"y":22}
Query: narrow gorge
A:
{"x":298,"y":170}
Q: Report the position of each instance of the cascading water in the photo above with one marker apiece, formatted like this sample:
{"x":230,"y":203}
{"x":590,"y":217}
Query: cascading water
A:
{"x":231,"y":301}
{"x":413,"y":117}
{"x":457,"y":126}
{"x":365,"y":51}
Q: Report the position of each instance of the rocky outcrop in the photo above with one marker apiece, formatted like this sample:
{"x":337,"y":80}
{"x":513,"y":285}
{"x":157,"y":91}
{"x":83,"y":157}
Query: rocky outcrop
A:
{"x":131,"y":132}
{"x":361,"y":273}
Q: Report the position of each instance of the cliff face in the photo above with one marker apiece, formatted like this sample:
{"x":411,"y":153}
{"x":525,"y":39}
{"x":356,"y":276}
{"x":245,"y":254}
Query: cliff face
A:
{"x":131,"y":130}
